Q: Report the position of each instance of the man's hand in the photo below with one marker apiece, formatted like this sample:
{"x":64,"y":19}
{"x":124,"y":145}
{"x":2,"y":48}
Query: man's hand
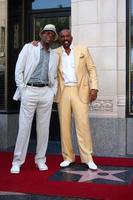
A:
{"x":93,"y":95}
{"x":35,"y":43}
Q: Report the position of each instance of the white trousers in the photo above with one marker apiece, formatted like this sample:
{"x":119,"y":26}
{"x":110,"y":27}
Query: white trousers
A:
{"x":39,"y":100}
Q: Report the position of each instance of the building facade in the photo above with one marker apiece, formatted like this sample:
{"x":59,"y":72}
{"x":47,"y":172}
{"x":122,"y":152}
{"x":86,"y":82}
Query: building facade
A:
{"x":105,"y":27}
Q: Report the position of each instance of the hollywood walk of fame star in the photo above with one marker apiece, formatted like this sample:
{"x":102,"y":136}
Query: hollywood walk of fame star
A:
{"x":102,"y":174}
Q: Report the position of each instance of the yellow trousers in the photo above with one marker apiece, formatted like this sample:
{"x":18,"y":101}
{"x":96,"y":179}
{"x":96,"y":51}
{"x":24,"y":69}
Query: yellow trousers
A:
{"x":71,"y":103}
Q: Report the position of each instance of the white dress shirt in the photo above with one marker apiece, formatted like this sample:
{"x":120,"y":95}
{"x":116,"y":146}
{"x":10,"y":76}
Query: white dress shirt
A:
{"x":68,"y":67}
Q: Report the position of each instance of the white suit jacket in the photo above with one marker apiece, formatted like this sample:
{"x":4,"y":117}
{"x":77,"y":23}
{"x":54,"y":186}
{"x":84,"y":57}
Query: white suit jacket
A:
{"x":27,"y":62}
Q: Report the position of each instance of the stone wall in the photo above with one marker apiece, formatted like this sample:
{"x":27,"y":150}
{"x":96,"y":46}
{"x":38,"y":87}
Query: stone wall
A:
{"x":101,"y":26}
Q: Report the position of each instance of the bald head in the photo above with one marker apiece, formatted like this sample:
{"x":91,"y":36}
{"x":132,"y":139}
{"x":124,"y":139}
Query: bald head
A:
{"x":65,"y":30}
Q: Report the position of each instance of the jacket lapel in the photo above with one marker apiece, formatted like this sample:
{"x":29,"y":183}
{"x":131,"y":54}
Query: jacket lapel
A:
{"x":33,"y":62}
{"x":51,"y":59}
{"x":76,"y":58}
{"x":59,"y":51}
{"x":76,"y":61}
{"x":36,"y":56}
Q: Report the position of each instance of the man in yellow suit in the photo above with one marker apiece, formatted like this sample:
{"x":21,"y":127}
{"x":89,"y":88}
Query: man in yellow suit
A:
{"x":76,"y":89}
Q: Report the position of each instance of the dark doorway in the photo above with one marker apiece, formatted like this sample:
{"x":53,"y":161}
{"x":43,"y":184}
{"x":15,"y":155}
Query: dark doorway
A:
{"x":26,"y":19}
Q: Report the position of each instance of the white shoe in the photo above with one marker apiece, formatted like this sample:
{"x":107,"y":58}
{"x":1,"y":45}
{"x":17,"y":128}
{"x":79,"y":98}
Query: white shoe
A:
{"x":41,"y":166}
{"x":92,"y":165}
{"x":15,"y":169}
{"x":65,"y":163}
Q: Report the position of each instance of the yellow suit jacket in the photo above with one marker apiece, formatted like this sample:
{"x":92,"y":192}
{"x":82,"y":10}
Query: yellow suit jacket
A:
{"x":85,"y":73}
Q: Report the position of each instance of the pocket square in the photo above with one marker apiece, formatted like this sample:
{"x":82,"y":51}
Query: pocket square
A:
{"x":81,"y":55}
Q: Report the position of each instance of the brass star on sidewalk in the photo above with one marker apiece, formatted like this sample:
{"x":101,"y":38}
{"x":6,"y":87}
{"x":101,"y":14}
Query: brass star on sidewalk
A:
{"x":102,"y":174}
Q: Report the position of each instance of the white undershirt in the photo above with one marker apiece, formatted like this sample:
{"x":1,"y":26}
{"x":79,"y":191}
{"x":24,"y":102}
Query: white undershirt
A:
{"x":68,"y":67}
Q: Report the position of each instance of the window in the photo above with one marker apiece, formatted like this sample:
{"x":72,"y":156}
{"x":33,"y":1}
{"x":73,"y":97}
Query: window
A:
{"x":47,"y":4}
{"x":59,"y":22}
{"x":57,"y":12}
{"x":129,"y":52}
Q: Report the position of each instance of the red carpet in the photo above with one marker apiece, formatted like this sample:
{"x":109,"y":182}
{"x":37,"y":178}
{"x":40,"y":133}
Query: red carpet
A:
{"x":32,"y":181}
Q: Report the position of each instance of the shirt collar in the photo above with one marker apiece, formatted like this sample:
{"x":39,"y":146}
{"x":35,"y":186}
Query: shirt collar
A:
{"x":41,"y":47}
{"x":71,"y":47}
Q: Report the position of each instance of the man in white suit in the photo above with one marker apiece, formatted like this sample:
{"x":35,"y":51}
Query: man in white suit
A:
{"x":36,"y":80}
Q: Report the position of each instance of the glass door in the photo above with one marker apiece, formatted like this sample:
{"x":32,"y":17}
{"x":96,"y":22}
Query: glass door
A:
{"x":38,"y":21}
